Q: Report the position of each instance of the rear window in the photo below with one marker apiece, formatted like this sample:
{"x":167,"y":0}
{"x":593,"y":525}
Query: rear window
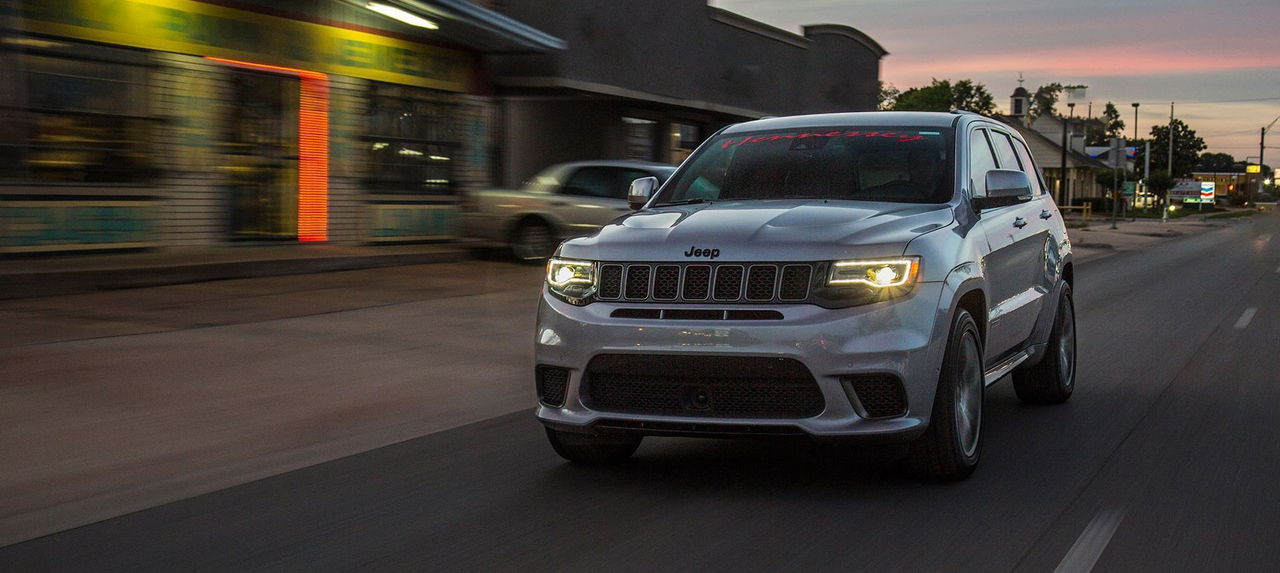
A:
{"x":896,"y":164}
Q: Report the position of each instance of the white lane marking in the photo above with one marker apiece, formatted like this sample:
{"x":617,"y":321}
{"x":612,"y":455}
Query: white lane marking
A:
{"x":1246,"y":318}
{"x":1084,"y":554}
{"x":1278,"y":269}
{"x":1265,"y":238}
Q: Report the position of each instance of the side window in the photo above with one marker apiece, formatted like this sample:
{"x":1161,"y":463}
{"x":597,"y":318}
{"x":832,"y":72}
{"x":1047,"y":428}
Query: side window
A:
{"x":981,"y":160}
{"x":1037,"y":181}
{"x":589,"y":182}
{"x":1004,"y":151}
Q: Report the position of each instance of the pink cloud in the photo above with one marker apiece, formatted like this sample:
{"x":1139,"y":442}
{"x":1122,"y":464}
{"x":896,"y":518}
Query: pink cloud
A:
{"x":1085,"y":61}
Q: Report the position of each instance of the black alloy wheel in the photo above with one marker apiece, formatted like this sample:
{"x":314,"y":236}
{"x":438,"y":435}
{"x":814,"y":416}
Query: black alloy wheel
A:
{"x":951,"y":446}
{"x":1052,"y":380}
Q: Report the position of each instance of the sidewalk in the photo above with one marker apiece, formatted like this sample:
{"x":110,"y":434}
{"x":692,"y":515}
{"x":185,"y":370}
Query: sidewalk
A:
{"x":1099,"y":240}
{"x":22,"y":277}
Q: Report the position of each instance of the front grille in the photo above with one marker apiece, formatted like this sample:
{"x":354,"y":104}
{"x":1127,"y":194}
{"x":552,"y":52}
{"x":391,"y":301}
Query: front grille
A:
{"x":552,"y":382}
{"x":702,"y":282}
{"x":702,"y":386}
{"x":637,"y":282}
{"x":881,"y":395}
{"x":610,"y":281}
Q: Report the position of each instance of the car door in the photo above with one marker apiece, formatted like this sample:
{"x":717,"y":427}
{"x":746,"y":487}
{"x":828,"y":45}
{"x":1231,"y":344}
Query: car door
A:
{"x":1016,"y":241}
{"x":1048,"y":216}
{"x":592,"y":196}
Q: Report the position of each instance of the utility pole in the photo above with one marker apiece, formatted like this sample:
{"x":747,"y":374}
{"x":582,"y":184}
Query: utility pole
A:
{"x":1262,"y":145}
{"x":1135,"y":120}
{"x":1165,"y":218}
{"x":1146,"y":169}
{"x":1117,"y":160}
{"x":1062,"y":175}
{"x":1171,"y":140}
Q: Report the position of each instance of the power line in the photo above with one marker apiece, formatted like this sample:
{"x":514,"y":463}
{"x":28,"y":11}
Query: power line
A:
{"x":1229,"y":100}
{"x":1241,"y":132}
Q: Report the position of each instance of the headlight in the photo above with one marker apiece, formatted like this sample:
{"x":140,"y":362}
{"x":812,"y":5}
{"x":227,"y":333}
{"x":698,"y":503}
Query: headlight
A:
{"x":878,"y":274}
{"x":573,"y":281}
{"x":852,"y":283}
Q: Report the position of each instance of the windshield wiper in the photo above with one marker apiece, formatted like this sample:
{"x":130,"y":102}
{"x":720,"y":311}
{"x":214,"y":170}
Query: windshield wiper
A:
{"x":682,"y":202}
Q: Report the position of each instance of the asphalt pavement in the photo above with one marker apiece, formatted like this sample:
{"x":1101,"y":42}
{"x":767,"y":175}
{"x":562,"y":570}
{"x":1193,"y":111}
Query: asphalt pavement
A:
{"x":1165,"y":459}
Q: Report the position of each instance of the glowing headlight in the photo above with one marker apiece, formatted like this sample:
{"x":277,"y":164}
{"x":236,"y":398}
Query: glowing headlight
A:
{"x":573,"y":280}
{"x":878,"y":274}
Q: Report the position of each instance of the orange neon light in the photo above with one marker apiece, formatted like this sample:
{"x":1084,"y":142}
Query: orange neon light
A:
{"x":313,"y":148}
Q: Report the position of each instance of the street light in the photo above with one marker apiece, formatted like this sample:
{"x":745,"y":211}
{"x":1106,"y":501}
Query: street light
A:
{"x":1135,"y":120}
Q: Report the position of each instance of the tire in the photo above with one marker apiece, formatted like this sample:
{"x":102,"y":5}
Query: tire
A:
{"x":588,"y":449}
{"x":532,"y":241}
{"x":1053,"y":379}
{"x":951,"y":446}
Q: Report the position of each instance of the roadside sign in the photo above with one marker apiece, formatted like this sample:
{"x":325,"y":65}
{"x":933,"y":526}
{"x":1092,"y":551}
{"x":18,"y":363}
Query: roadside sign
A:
{"x":1185,"y":191}
{"x":1253,"y":169}
{"x":1130,"y":187}
{"x":1206,"y":191}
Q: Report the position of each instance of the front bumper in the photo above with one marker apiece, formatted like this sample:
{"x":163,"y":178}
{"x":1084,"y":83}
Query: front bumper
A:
{"x":902,"y":338}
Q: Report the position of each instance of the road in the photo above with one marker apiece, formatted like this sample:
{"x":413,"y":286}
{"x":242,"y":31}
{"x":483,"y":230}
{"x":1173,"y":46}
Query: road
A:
{"x":1165,"y":459}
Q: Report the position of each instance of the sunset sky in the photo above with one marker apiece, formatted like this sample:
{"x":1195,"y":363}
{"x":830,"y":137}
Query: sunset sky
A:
{"x":1205,"y":56}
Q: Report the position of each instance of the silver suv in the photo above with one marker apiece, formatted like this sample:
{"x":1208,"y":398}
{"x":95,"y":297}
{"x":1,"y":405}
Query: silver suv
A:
{"x":858,"y":276}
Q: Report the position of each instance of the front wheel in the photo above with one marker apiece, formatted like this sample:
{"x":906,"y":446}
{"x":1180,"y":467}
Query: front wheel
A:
{"x":1052,"y":380}
{"x":588,"y":449}
{"x":950,"y":448}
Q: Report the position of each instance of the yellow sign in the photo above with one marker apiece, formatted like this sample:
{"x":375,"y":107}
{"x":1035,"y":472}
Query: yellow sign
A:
{"x":1253,"y":169}
{"x":190,"y":27}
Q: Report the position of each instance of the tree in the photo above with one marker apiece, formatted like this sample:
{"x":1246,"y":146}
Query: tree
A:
{"x":1108,"y":126}
{"x":1044,"y":101}
{"x":1111,"y":117}
{"x":888,"y":96}
{"x":1159,"y":184}
{"x":1217,"y":162}
{"x":1186,"y":149}
{"x":967,"y":95}
{"x":1106,"y":177}
{"x":942,"y":95}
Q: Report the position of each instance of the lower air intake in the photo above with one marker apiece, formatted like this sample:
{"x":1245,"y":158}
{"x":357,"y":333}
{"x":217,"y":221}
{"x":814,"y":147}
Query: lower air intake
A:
{"x":553,"y":382}
{"x":881,"y":395}
{"x":702,"y":386}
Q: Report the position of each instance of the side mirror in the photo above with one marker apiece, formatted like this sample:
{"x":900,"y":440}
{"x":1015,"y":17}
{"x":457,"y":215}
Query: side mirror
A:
{"x":640,"y":191}
{"x":1004,"y":187}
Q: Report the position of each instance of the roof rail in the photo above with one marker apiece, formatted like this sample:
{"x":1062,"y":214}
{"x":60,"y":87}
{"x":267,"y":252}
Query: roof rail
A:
{"x":965,"y":111}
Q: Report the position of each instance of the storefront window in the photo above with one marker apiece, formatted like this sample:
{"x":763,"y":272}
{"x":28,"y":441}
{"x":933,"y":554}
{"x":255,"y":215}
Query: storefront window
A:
{"x":411,"y":140}
{"x":641,"y":136}
{"x":76,"y":113}
{"x":684,"y":138}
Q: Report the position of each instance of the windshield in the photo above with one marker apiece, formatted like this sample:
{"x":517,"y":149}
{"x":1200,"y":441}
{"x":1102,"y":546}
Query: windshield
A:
{"x":897,"y":164}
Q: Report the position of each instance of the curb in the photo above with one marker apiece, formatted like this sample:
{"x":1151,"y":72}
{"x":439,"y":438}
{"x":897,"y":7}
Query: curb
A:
{"x":61,"y":282}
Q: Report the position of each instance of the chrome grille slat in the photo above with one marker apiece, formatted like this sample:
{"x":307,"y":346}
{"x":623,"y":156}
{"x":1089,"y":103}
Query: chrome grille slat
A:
{"x":729,"y":282}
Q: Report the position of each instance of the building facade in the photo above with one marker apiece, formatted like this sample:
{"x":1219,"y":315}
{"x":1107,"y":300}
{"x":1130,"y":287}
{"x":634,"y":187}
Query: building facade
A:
{"x":180,"y":123}
{"x":651,"y":80}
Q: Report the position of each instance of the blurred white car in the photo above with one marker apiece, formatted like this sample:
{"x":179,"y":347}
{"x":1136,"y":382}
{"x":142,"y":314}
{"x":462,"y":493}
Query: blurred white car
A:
{"x":564,"y":200}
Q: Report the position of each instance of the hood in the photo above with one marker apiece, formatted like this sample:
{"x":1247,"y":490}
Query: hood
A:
{"x":762,"y":230}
